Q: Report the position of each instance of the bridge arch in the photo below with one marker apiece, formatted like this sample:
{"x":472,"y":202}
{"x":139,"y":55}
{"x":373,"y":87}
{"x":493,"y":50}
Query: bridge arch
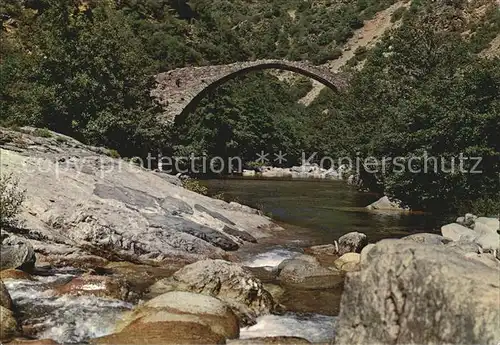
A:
{"x":179,"y":91}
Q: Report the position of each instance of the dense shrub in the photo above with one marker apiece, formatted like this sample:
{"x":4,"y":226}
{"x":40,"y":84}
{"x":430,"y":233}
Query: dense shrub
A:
{"x":11,"y":199}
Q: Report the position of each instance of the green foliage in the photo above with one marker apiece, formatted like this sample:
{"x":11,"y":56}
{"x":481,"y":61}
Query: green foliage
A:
{"x":11,"y":199}
{"x":195,"y":185}
{"x":113,"y":153}
{"x":398,"y":14}
{"x":42,"y":132}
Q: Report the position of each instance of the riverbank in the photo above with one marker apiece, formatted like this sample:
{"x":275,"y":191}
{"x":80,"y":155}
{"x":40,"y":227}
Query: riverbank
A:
{"x":106,"y":252}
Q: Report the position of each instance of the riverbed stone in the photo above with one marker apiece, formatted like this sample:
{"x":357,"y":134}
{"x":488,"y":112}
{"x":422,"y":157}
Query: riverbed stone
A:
{"x":100,"y":286}
{"x":412,"y":293}
{"x":139,"y":277}
{"x":489,"y":241}
{"x":164,"y":333}
{"x":385,"y":204}
{"x":227,"y":281}
{"x":8,"y":324}
{"x":305,"y":272}
{"x":352,"y":242}
{"x":15,"y":252}
{"x":283,"y":340}
{"x":5,"y":300}
{"x":348,"y":262}
{"x":180,"y":306}
{"x":15,"y":275}
{"x":457,"y":232}
{"x":487,"y":224}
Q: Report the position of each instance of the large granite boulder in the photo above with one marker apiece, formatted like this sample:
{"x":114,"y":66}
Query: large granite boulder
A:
{"x":227,"y":281}
{"x":180,"y":306}
{"x":411,"y":293}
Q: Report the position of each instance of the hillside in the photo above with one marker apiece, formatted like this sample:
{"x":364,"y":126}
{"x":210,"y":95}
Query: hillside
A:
{"x":86,"y":70}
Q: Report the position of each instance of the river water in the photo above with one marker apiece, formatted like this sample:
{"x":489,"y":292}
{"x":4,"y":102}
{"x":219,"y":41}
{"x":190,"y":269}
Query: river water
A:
{"x":311,"y":212}
{"x":320,"y":211}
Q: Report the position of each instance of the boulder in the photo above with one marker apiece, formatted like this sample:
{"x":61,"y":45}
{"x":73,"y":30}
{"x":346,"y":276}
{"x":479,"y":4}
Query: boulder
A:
{"x":15,"y":275}
{"x":412,"y":293}
{"x":493,"y":224}
{"x":427,"y":239}
{"x":100,"y":286}
{"x":227,"y":281}
{"x":21,"y":341}
{"x":8,"y":324}
{"x":483,"y":228}
{"x":321,"y":250}
{"x":180,"y":306}
{"x":464,"y":246}
{"x":489,"y":241}
{"x":348,"y":262}
{"x":385,"y":204}
{"x":164,"y":333}
{"x":15,"y":252}
{"x":5,"y":300}
{"x":270,"y":341}
{"x":457,"y":232}
{"x":305,"y":272}
{"x":352,"y":242}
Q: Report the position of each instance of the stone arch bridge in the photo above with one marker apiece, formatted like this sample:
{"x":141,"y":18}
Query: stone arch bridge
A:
{"x":179,"y":91}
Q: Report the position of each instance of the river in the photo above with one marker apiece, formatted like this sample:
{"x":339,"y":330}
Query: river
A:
{"x":312,"y":212}
{"x":322,"y":210}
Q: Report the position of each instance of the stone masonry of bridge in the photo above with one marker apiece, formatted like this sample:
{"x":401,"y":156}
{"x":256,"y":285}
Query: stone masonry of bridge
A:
{"x":179,"y":91}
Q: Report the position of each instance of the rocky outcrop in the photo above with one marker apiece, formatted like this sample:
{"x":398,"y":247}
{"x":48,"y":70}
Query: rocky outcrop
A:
{"x":100,"y":286}
{"x":179,"y":306}
{"x":411,"y":293}
{"x":304,"y":172}
{"x":305,"y":272}
{"x":82,"y":203}
{"x":227,"y":281}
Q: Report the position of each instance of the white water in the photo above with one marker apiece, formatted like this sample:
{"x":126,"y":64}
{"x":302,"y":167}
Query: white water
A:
{"x":313,"y":327}
{"x":66,"y":319}
{"x":271,"y":258}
